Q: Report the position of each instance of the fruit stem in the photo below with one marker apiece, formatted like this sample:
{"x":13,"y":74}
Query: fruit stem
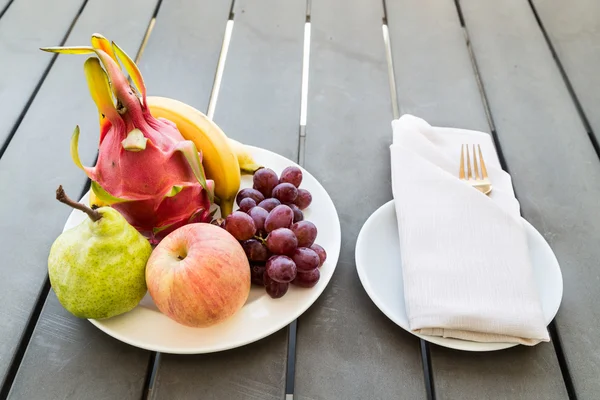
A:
{"x":226,"y":207}
{"x":250,"y":169}
{"x":63,"y":198}
{"x":261,"y":239}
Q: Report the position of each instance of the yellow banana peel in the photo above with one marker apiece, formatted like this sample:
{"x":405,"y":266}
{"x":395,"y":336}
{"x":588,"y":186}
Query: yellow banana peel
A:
{"x":247,"y":164}
{"x":95,"y":202}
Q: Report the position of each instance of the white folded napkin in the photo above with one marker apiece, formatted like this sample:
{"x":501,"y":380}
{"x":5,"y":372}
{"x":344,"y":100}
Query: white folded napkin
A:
{"x":465,"y":260}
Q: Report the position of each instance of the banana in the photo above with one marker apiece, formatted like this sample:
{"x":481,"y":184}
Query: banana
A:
{"x":95,"y":202}
{"x":218,"y":157}
{"x":247,"y":164}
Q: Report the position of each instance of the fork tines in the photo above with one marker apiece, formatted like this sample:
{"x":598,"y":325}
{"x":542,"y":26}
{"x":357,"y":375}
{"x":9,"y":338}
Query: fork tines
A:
{"x":477,"y":173}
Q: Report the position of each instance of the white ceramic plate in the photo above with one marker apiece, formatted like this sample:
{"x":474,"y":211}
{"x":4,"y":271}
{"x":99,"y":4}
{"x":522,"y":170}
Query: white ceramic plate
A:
{"x":379,"y":269}
{"x":148,"y":328}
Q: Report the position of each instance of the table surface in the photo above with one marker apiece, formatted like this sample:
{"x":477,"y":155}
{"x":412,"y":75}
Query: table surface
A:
{"x":524,"y":71}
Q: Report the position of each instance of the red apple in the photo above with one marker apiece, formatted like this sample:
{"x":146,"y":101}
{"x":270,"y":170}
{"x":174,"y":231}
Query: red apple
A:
{"x":198,"y":275}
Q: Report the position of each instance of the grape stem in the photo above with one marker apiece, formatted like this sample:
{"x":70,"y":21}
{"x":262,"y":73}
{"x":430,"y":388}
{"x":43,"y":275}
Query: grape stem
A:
{"x":259,"y":238}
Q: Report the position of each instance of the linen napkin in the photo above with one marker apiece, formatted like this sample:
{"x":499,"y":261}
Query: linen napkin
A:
{"x":465,"y":259}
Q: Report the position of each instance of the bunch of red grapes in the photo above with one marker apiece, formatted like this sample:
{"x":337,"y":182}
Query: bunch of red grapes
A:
{"x":270,"y":225}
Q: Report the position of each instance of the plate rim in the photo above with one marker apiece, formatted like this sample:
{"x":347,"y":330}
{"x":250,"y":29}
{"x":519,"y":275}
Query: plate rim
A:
{"x":441,"y":341}
{"x":332,"y":260}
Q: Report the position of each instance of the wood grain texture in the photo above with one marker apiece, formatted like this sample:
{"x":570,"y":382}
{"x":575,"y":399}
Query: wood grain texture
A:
{"x":555,"y":170}
{"x":259,"y":104}
{"x":34,"y":164}
{"x":435,"y":80}
{"x":574,"y":31}
{"x":181,"y":57}
{"x":347,"y":348}
{"x":22,"y":65}
{"x":259,"y":100}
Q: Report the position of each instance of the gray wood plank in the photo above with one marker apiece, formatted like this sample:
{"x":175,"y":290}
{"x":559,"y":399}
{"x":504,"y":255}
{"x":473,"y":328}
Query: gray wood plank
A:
{"x":574,"y":31}
{"x":255,"y":371}
{"x":435,"y":80}
{"x":555,"y":170}
{"x":259,"y":103}
{"x":515,"y":374}
{"x":347,"y":348}
{"x":259,"y":100}
{"x":70,"y":359}
{"x":63,"y":358}
{"x":180,"y":59}
{"x":432,"y":69}
{"x":22,"y":33}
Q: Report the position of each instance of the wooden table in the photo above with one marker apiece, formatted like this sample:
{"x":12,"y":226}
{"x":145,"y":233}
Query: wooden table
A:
{"x":528,"y":72}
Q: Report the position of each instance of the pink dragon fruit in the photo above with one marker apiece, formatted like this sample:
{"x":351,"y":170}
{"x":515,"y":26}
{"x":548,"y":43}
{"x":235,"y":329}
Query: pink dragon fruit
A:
{"x":145,"y":169}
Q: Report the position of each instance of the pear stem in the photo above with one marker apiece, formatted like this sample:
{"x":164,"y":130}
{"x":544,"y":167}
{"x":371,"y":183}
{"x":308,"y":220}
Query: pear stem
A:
{"x":63,"y":198}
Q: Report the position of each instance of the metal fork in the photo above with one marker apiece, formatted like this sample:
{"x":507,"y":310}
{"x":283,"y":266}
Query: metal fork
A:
{"x":479,"y":179}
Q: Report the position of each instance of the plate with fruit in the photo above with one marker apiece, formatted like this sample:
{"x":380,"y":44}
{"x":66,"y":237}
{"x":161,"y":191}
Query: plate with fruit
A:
{"x":188,"y":242}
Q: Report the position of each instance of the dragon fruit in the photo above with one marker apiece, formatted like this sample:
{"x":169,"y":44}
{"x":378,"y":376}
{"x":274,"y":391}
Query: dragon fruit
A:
{"x":145,"y":169}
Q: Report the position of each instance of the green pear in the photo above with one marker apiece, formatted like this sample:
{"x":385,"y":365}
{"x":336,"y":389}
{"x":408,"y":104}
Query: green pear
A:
{"x":97,"y":268}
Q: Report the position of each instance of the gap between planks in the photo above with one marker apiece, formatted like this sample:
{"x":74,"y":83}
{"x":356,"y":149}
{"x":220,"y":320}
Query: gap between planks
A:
{"x":293,"y":327}
{"x":6,"y":8}
{"x":15,"y":127}
{"x":390,"y":65}
{"x":586,"y":123}
{"x":15,"y":363}
{"x":29,"y":329}
{"x":424,"y":346}
{"x":214,"y":95}
{"x":38,"y":308}
{"x":554,"y":334}
{"x":154,"y":358}
{"x":555,"y":337}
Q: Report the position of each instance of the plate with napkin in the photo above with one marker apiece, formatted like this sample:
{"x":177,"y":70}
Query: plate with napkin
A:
{"x":448,"y":263}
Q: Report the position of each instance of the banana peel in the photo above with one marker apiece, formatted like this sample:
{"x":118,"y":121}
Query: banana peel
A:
{"x":95,"y":202}
{"x":247,"y":164}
